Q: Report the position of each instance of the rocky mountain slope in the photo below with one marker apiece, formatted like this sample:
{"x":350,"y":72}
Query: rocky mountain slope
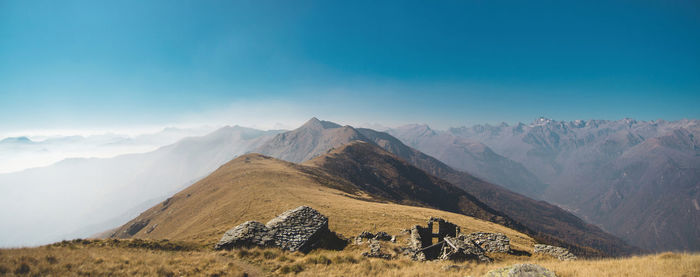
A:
{"x":97,"y":194}
{"x":470,"y":156}
{"x":553,"y":224}
{"x":636,"y":179}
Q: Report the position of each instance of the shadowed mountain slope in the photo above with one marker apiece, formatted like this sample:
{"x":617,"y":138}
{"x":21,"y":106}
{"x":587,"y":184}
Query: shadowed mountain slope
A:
{"x":550,"y":223}
{"x":637,"y":179}
{"x":380,"y":173}
{"x":471,"y":156}
{"x":257,"y":187}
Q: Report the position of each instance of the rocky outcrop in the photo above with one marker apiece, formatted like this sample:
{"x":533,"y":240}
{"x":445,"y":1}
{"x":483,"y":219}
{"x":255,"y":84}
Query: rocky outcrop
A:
{"x":490,"y":242}
{"x":301,"y":229}
{"x":136,"y":227}
{"x":554,"y":251}
{"x":521,"y":270}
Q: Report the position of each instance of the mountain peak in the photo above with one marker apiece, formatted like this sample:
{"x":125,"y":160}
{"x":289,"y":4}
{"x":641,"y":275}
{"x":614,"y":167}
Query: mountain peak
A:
{"x":16,"y":140}
{"x":315,"y":123}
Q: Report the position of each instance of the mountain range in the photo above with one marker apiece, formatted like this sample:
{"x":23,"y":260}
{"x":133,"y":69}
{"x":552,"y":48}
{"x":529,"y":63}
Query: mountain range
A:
{"x":636,"y":179}
{"x":496,"y":173}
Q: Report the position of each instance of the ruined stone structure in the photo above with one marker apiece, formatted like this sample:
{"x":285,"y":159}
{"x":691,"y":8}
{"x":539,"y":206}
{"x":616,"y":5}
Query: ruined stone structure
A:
{"x":422,"y":238}
{"x":554,"y":251}
{"x":301,"y":229}
{"x":490,"y":242}
{"x":441,"y":239}
{"x":460,"y":249}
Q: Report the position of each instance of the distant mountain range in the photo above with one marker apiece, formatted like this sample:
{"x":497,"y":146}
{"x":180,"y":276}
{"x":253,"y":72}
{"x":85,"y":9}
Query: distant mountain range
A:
{"x":639,"y":180}
{"x":547,"y":222}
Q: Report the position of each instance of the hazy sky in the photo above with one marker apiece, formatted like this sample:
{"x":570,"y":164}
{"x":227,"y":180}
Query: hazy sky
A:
{"x":121,"y":64}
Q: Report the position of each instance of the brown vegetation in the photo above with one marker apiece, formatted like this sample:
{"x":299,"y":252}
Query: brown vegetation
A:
{"x":158,"y":258}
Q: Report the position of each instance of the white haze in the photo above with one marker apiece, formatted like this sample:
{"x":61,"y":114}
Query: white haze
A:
{"x":23,"y":150}
{"x":79,"y":197}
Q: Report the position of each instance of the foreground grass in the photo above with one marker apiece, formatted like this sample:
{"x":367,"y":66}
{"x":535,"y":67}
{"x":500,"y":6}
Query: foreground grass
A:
{"x":166,"y":258}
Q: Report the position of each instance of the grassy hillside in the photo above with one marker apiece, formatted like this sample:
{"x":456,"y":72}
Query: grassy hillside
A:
{"x":256,"y":187}
{"x":148,"y":258}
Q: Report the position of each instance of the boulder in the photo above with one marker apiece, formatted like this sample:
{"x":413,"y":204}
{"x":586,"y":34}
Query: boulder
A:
{"x":554,"y":251}
{"x":521,"y":270}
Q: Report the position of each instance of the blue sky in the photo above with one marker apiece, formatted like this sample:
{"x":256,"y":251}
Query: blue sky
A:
{"x":109,"y":64}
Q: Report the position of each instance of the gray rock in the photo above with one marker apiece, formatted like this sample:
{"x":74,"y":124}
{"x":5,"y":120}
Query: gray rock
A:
{"x":490,"y":242}
{"x":300,"y":229}
{"x":459,"y":250}
{"x":554,"y":251}
{"x":249,"y":233}
{"x":375,"y":251}
{"x":521,"y":270}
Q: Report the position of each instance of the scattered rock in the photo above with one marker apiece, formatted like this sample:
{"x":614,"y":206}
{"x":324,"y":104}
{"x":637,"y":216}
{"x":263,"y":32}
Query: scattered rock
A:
{"x":554,"y":251}
{"x":459,"y":250}
{"x":521,"y":270}
{"x":384,"y":236}
{"x":490,"y":242}
{"x":301,"y":229}
{"x":375,"y":251}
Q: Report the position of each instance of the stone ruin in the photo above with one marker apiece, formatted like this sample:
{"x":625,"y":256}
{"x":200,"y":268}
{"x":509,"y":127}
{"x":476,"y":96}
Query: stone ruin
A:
{"x":441,"y":239}
{"x":491,"y":242}
{"x":558,"y":252}
{"x":301,"y":229}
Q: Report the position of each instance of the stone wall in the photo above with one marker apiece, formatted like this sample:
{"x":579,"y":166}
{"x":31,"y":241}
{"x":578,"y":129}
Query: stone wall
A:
{"x":554,"y":251}
{"x":490,"y":242}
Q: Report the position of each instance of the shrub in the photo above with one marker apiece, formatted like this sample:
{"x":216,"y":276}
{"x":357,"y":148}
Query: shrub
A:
{"x":162,"y":271}
{"x":51,"y":259}
{"x":22,"y":269}
{"x":3,"y":270}
{"x":269,"y":255}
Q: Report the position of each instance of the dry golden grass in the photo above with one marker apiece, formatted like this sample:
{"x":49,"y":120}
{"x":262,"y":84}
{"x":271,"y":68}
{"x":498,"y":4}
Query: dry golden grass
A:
{"x":126,"y":258}
{"x":256,"y":188}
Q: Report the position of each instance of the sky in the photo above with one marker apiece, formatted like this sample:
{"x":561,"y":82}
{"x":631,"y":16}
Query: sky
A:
{"x":106,"y":65}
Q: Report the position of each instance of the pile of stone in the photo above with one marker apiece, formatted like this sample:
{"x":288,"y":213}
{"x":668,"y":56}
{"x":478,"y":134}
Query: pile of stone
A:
{"x":301,"y":229}
{"x":375,"y":251}
{"x":365,"y":235}
{"x":490,"y":242}
{"x":554,"y":251}
{"x":460,"y":250}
